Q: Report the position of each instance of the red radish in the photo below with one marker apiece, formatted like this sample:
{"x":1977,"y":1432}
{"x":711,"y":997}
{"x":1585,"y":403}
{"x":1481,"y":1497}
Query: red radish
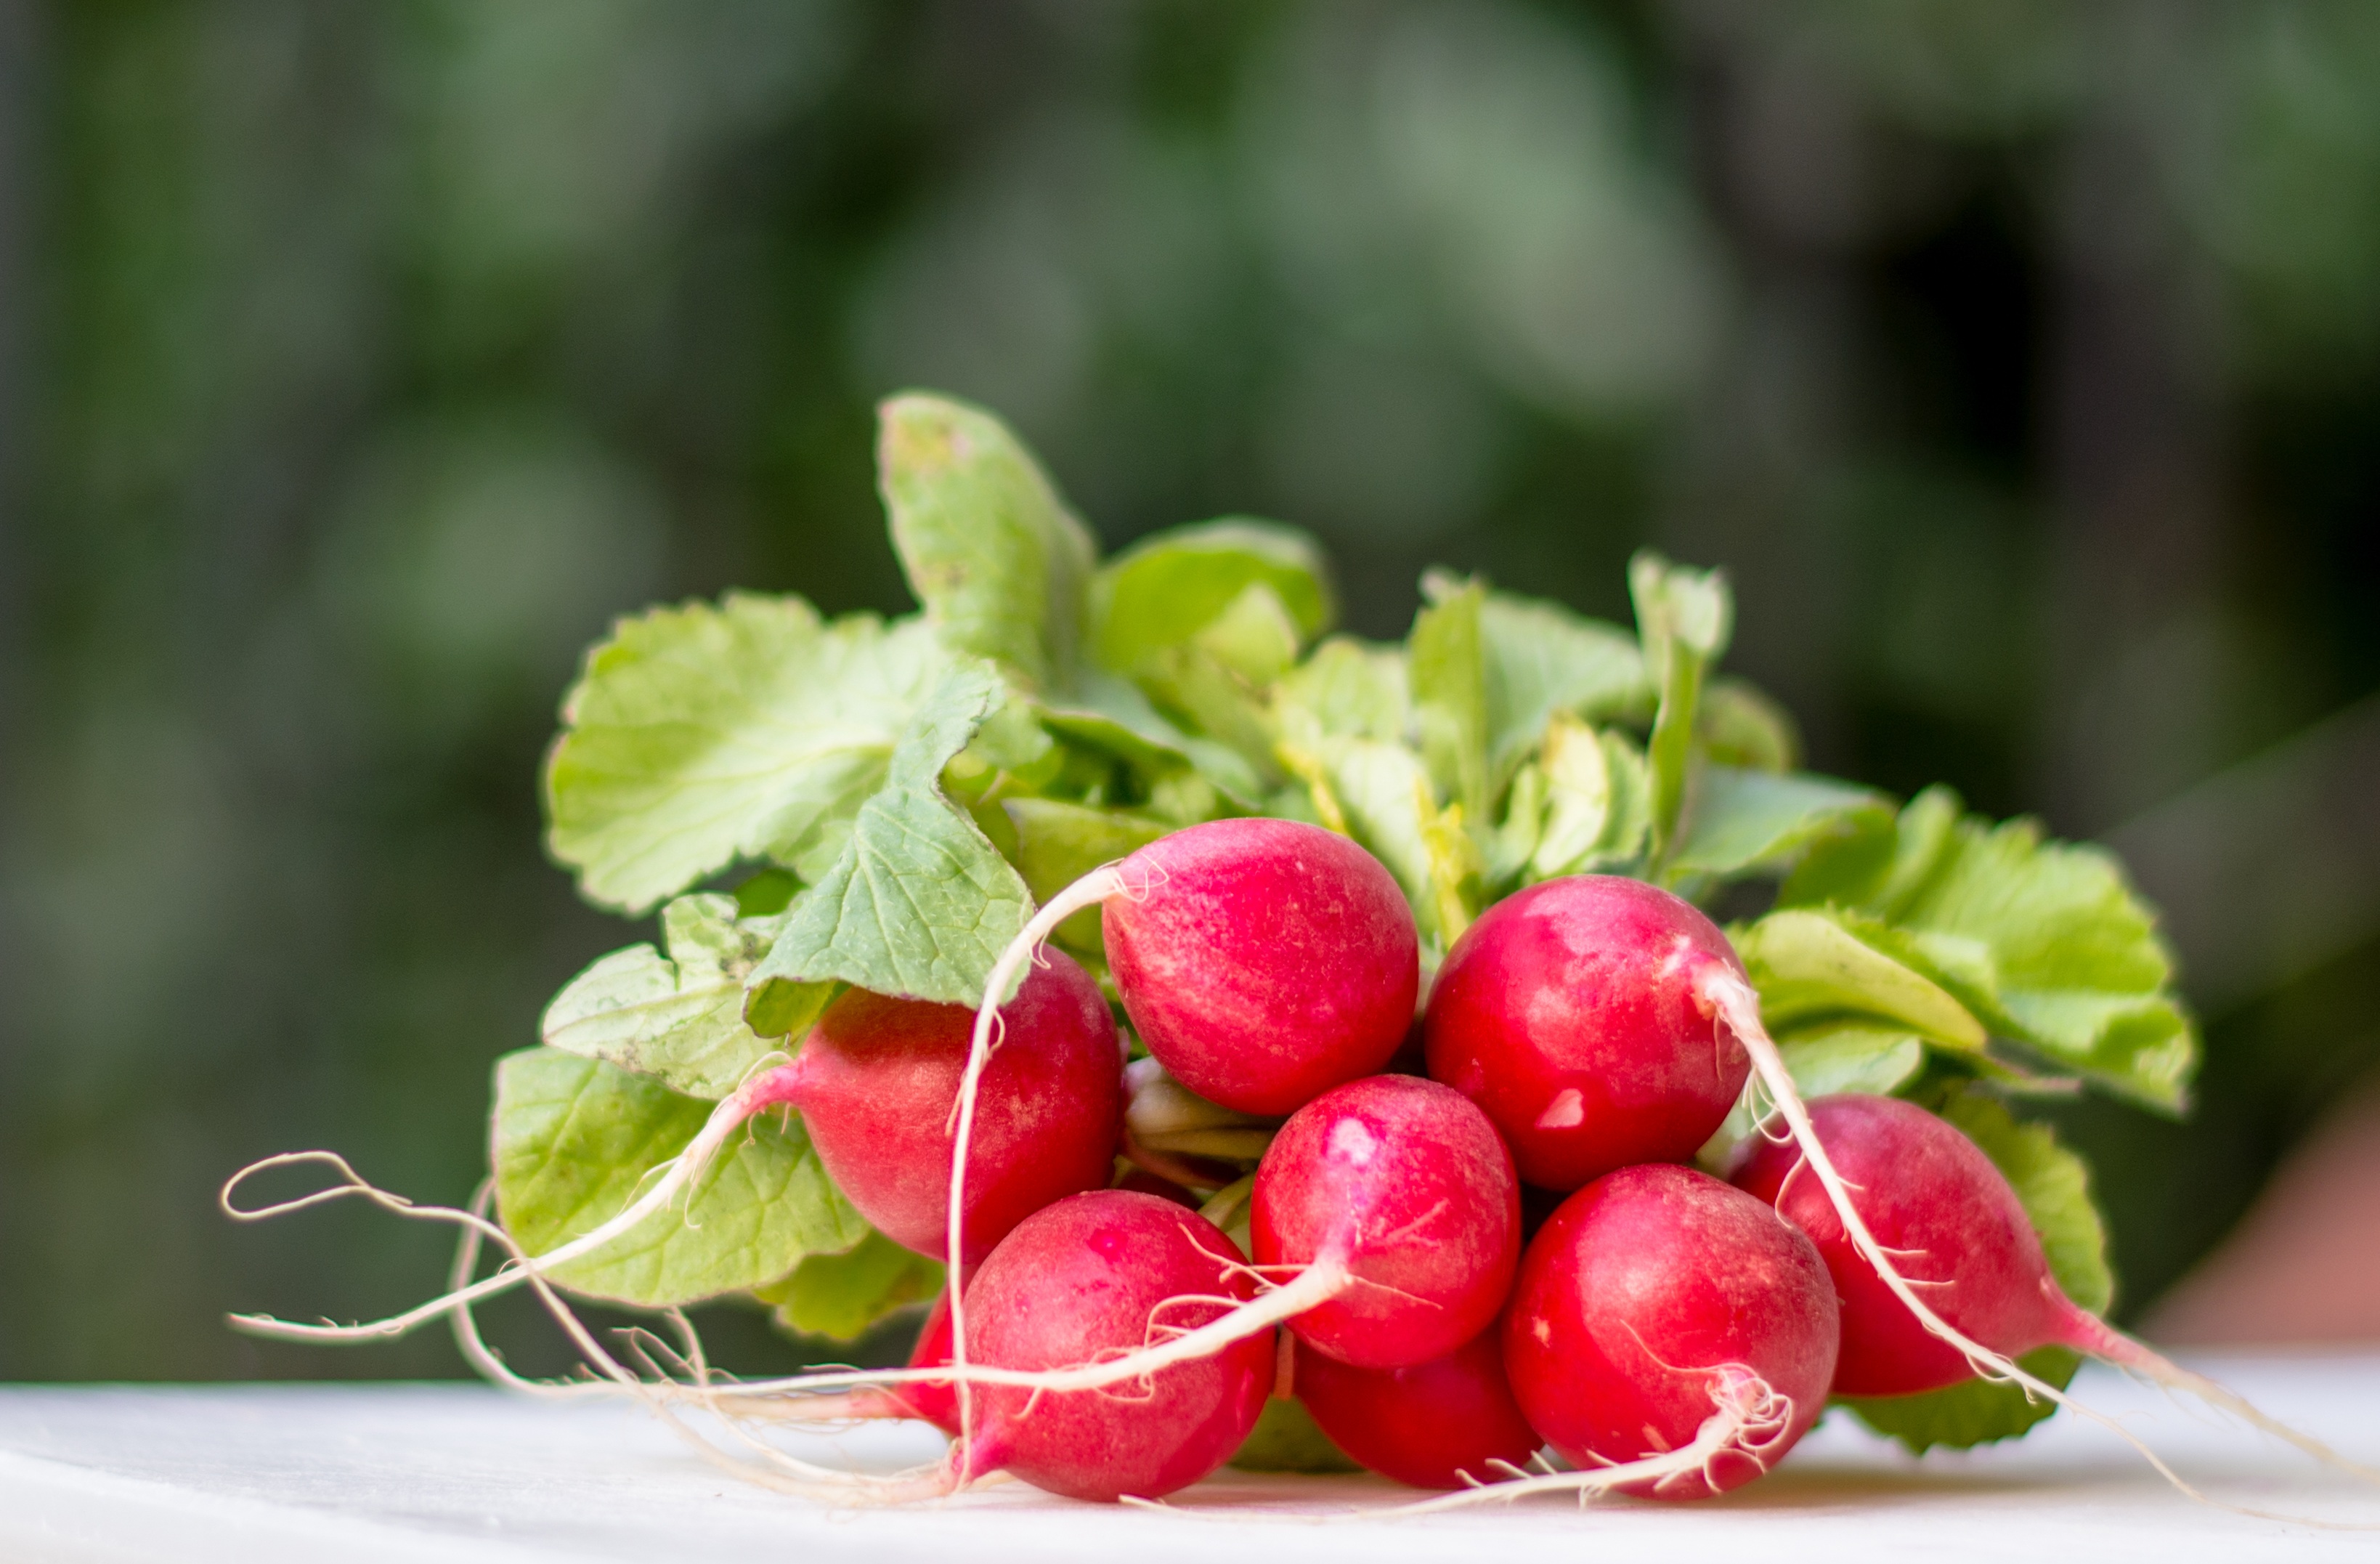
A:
{"x":1262,"y":962}
{"x":1574,"y":1013}
{"x":1953,"y":1226}
{"x":1401,"y":1186}
{"x":877,"y":1077}
{"x":1932,"y":1201}
{"x":1094,"y":1274}
{"x":1433,"y":1425}
{"x":1655,"y":1296}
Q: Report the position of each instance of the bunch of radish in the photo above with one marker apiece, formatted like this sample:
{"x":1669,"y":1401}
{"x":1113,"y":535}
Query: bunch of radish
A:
{"x":1663,"y":1332}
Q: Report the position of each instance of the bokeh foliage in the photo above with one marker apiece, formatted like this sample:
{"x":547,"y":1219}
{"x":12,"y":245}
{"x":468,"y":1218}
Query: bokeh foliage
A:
{"x":2022,"y":362}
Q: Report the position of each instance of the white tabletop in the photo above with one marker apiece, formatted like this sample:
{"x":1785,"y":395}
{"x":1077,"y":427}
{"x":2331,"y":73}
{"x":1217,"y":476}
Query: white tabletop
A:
{"x":462,"y":1474}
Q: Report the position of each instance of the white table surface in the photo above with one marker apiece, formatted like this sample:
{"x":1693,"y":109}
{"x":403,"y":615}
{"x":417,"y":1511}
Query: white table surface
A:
{"x":463,"y":1475}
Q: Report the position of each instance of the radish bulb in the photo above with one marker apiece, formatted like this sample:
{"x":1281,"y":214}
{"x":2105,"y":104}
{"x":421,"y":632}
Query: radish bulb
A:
{"x":1574,"y":1013}
{"x":1103,"y":1274}
{"x":1439,"y":1424}
{"x":1402,"y":1188}
{"x":1655,"y":1298}
{"x":1929,"y":1198}
{"x":877,"y":1077}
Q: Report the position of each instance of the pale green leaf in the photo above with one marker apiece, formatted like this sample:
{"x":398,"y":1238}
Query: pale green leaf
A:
{"x":2055,"y":1186}
{"x":574,"y":1141}
{"x":1684,"y":619}
{"x":1167,"y":588}
{"x":1379,"y":794}
{"x":1539,"y":658}
{"x":1827,"y":1057}
{"x":679,"y":1015}
{"x":1847,"y":1057}
{"x":1348,"y":687}
{"x":1807,"y":963}
{"x":700,"y":735}
{"x":1739,"y":821}
{"x":1597,"y":801}
{"x":2044,"y":941}
{"x":1286,"y":1438}
{"x":842,"y":1296}
{"x":1740,"y":725}
{"x":1112,"y":716}
{"x":1444,"y":664}
{"x":919,"y":904}
{"x":1000,"y":565}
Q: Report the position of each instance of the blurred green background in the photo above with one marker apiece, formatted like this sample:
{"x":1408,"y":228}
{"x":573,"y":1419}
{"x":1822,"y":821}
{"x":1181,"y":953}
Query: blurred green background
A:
{"x":358,"y":362}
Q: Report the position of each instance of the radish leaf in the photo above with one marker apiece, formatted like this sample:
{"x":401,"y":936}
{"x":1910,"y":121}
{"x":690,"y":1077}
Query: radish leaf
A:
{"x":677,"y":1016}
{"x":1539,"y":658}
{"x":1445,"y":666}
{"x":574,"y":1139}
{"x":1683,"y":621}
{"x":1738,"y":820}
{"x":919,"y":904}
{"x":2043,"y":941}
{"x":700,"y":735}
{"x":990,"y":550}
{"x":839,"y":1296}
{"x":1164,"y":590}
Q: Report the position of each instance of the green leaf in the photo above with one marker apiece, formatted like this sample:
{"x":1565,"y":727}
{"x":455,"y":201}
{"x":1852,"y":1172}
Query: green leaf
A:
{"x":989,"y":547}
{"x":1814,"y":964}
{"x":677,"y":1016}
{"x":1112,"y":716}
{"x":841,"y":1296}
{"x":2044,"y":941}
{"x":1347,"y":689}
{"x":1850,"y":1057}
{"x":1379,"y":794}
{"x":919,"y":904}
{"x":1599,"y":801}
{"x":1972,"y":1412}
{"x":573,"y":1140}
{"x":1059,"y":843}
{"x":1286,"y":1438}
{"x":1445,"y":665}
{"x":1831,"y":1056}
{"x":1539,"y":658}
{"x":2055,"y":1186}
{"x":1167,"y":588}
{"x":1742,"y":727}
{"x":700,"y":735}
{"x":1684,"y":619}
{"x":1737,"y":821}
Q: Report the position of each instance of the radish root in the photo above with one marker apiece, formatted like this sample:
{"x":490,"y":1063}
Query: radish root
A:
{"x":679,"y":1174}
